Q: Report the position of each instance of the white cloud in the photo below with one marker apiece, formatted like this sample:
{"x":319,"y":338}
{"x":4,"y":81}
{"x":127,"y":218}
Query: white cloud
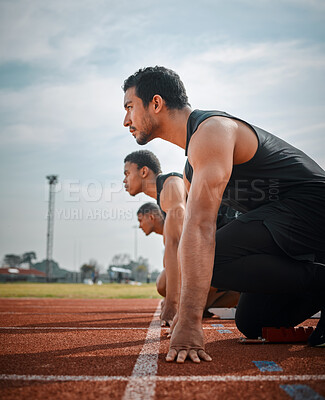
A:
{"x":317,"y":5}
{"x":63,"y":113}
{"x":20,"y":134}
{"x":232,"y":70}
{"x":63,"y":32}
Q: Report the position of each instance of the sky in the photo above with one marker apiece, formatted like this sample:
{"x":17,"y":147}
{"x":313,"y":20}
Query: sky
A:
{"x":62,"y":65}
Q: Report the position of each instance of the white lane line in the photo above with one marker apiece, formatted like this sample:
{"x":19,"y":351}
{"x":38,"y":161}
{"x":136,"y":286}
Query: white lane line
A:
{"x":144,"y":314}
{"x":146,"y":366}
{"x":85,"y":328}
{"x":145,"y":379}
{"x":47,"y":328}
{"x":100,"y":308}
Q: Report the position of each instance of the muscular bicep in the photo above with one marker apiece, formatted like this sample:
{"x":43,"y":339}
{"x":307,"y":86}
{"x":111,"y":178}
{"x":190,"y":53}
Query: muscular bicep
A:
{"x":173,"y":199}
{"x":205,"y":195}
{"x":211,"y":156}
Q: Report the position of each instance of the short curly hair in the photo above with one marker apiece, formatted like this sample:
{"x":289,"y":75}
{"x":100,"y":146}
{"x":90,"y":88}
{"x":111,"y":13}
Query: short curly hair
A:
{"x":158,"y":80}
{"x":144,"y":158}
{"x":150,"y":208}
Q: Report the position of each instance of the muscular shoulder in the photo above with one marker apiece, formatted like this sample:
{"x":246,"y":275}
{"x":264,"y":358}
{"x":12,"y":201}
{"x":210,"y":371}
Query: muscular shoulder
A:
{"x":173,"y":193}
{"x":223,"y":139}
{"x":213,"y":142}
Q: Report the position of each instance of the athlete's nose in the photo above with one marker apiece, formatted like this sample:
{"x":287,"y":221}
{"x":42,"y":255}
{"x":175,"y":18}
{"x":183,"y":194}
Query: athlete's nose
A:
{"x":127,"y":121}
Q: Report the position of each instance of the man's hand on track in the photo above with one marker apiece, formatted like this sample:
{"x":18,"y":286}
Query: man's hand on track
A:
{"x":187,"y":341}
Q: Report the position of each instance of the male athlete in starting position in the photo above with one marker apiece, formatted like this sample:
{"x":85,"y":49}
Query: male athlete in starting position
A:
{"x":270,"y":253}
{"x":152,"y":220}
{"x":142,"y":173}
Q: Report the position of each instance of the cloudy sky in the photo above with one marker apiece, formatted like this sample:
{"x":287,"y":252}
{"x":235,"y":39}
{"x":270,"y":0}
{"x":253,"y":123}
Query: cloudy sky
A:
{"x":62,"y":64}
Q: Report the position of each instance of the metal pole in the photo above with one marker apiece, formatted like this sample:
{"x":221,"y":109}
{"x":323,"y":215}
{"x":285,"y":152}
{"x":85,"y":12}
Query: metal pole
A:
{"x":50,"y":226}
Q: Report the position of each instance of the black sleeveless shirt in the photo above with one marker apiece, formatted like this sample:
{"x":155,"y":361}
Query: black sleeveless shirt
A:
{"x":280,"y":185}
{"x":160,"y":183}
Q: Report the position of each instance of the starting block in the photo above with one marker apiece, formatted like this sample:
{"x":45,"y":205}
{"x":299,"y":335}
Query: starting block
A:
{"x":223,"y":313}
{"x":281,"y":335}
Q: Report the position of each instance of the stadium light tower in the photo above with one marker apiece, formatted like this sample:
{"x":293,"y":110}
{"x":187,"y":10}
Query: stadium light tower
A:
{"x":53,"y":179}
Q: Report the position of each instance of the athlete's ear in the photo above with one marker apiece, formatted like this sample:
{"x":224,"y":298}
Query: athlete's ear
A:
{"x":157,"y":102}
{"x":144,"y":172}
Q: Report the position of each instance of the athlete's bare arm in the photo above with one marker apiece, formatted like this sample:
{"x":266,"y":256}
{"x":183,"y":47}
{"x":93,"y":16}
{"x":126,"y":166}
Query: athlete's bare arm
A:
{"x":172,"y":200}
{"x":212,"y":152}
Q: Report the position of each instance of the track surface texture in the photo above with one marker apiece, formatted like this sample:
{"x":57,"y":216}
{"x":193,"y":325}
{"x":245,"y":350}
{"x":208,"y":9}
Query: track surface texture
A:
{"x":115,"y":349}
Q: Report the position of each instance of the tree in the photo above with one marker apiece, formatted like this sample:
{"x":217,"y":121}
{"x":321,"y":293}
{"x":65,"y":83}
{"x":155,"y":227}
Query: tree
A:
{"x":121,"y":259}
{"x":141,"y":269}
{"x":13,"y":260}
{"x":141,"y":273}
{"x":28,"y":257}
{"x":89,"y":269}
{"x":154,"y":274}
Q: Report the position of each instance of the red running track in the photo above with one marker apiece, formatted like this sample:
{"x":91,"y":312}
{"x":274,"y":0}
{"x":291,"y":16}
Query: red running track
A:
{"x":115,"y":349}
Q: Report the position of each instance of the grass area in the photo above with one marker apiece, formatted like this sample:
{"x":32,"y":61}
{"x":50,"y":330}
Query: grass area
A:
{"x":79,"y":290}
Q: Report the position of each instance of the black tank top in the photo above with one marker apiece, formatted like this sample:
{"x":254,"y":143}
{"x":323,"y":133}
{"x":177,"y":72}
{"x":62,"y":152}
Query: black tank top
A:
{"x":160,"y":183}
{"x":278,"y":178}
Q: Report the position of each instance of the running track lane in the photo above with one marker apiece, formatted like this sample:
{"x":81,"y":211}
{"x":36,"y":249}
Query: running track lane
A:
{"x":95,"y":334}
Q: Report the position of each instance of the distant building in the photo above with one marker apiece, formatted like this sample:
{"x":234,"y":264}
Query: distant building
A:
{"x":119,"y":274}
{"x":17,"y":274}
{"x":132,"y":271}
{"x":58,"y":274}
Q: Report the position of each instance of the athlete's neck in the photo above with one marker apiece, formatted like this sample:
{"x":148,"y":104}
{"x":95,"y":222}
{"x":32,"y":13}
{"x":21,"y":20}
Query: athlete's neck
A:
{"x":173,"y":126}
{"x":159,"y":226}
{"x":149,"y":185}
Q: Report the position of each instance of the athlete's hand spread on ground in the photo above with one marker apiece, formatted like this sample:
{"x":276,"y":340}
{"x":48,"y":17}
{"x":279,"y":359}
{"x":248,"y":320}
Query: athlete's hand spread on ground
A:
{"x":168,"y":313}
{"x":162,"y":305}
{"x":172,"y":326}
{"x":187,"y":340}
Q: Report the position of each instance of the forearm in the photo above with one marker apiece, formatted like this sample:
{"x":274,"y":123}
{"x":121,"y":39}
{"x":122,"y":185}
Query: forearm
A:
{"x":172,"y":273}
{"x":197,"y":248}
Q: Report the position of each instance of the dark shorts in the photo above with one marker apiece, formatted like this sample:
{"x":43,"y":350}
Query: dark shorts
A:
{"x":300,"y":233}
{"x":247,"y":259}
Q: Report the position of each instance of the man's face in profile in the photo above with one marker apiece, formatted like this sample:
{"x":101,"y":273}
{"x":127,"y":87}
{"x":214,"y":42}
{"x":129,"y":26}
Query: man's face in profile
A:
{"x":146,"y":223}
{"x":138,"y":119}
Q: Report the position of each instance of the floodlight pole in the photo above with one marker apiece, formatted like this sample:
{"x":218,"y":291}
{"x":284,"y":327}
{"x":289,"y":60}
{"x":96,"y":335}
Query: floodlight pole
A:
{"x":53,"y":179}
